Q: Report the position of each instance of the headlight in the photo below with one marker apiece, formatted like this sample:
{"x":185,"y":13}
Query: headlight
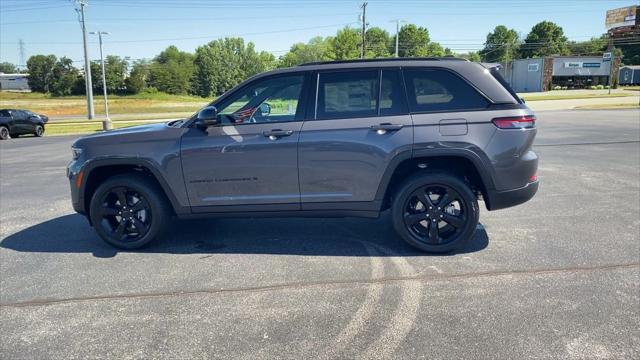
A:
{"x":76,"y":152}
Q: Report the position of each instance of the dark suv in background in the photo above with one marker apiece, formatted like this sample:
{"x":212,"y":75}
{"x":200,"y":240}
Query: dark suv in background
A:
{"x":14,"y":122}
{"x":425,"y":138}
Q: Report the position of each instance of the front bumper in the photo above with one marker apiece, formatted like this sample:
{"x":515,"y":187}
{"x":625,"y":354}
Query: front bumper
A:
{"x":497,"y":200}
{"x":75,"y":176}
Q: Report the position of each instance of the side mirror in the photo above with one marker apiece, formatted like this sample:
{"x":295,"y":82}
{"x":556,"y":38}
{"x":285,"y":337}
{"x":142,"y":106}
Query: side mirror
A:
{"x":523,"y":100}
{"x":265,"y":109}
{"x":207,"y":117}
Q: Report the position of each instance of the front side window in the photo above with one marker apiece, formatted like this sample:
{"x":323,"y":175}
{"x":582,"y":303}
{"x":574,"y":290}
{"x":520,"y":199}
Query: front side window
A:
{"x":440,"y":90}
{"x":347,"y":94}
{"x":270,"y":100}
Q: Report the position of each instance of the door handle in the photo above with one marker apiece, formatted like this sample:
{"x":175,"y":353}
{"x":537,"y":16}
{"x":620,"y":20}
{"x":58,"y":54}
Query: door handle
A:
{"x":383,"y":128}
{"x":277,"y":133}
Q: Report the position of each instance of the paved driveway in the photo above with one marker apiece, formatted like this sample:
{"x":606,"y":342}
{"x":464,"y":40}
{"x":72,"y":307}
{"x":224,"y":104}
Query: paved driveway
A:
{"x":558,"y":277}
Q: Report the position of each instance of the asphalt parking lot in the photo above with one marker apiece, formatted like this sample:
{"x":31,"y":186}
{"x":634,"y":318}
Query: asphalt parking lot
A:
{"x":558,"y":277}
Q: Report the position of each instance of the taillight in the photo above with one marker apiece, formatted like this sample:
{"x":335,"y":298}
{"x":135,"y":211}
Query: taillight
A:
{"x":515,"y":122}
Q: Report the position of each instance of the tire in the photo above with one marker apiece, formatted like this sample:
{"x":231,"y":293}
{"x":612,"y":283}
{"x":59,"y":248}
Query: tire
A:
{"x":39,"y":131}
{"x":455,"y":215}
{"x":4,"y":133}
{"x":143,"y":219}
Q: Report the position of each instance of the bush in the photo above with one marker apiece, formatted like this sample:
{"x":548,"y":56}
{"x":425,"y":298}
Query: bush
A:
{"x":149,"y":91}
{"x":599,"y":87}
{"x":557,"y":87}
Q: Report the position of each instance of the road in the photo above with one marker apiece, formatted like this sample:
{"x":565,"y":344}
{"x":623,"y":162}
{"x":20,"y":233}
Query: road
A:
{"x":558,"y":277}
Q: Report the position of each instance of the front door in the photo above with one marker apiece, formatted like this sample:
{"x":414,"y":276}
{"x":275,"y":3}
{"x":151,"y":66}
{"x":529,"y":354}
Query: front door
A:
{"x":249,"y":160}
{"x":361,"y":123}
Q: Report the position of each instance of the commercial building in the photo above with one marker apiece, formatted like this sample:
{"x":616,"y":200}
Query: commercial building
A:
{"x":17,"y":82}
{"x":572,"y":72}
{"x":629,"y":75}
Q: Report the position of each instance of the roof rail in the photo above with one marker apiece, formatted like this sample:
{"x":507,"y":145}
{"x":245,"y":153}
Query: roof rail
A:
{"x":383,"y":60}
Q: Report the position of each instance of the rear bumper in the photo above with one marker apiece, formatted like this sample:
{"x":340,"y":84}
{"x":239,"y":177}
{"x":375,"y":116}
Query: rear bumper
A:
{"x":497,"y":200}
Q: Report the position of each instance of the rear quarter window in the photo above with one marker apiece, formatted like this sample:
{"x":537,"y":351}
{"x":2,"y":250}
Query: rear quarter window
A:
{"x":440,"y":90}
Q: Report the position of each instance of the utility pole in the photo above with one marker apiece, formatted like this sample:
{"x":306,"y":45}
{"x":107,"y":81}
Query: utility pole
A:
{"x":397,"y":21}
{"x":364,"y":27}
{"x":87,"y":65}
{"x":106,"y":123}
{"x":21,"y":50}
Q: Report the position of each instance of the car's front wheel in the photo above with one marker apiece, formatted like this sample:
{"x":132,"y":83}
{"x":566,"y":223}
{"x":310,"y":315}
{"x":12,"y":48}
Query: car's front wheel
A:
{"x":435,"y":212}
{"x":4,"y":133}
{"x":39,"y":131}
{"x":128,"y":211}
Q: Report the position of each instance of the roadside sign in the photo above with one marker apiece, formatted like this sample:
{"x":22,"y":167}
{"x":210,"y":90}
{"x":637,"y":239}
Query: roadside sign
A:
{"x":606,"y":56}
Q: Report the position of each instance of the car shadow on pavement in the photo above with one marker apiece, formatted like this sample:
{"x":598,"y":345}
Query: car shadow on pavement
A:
{"x":276,"y":236}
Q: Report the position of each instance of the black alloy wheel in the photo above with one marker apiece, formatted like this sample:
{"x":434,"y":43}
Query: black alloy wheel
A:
{"x":435,"y":212}
{"x":39,"y":132}
{"x":129,"y":210}
{"x":125,"y":215}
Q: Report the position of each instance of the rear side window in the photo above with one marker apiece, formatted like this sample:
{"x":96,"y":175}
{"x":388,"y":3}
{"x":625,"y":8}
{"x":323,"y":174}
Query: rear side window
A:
{"x":440,"y":90}
{"x":347,"y":94}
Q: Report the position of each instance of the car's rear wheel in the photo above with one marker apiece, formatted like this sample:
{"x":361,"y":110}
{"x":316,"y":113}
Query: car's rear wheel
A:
{"x":128,"y":211}
{"x":435,"y":212}
{"x":4,"y":133}
{"x":39,"y":131}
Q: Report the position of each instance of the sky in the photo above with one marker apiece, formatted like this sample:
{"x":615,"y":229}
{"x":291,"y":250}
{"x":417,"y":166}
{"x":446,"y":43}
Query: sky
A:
{"x":142,"y":28}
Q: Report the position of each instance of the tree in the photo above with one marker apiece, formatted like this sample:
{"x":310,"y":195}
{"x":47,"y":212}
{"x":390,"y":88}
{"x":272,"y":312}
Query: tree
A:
{"x":137,"y":79}
{"x":345,"y":45}
{"x":63,"y":77}
{"x":378,"y":43}
{"x":501,"y":45}
{"x":545,"y":39}
{"x":471,"y":56}
{"x":171,"y":71}
{"x":116,"y":69}
{"x":317,"y":49}
{"x":413,"y":41}
{"x":8,"y":68}
{"x":222,"y":64}
{"x":594,"y":46}
{"x":40,"y":68}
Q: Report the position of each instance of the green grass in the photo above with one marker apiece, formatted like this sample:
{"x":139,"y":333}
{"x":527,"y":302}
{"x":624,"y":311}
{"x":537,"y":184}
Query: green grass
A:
{"x":608,"y":106}
{"x":144,"y":103}
{"x":572,"y":96}
{"x":88,"y":127}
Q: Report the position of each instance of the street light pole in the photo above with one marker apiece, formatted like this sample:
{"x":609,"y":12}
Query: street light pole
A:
{"x":397,"y":21}
{"x":106,"y":123}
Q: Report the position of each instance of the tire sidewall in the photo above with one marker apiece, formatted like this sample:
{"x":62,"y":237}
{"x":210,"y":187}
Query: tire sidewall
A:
{"x":417,"y":181}
{"x":39,"y":133}
{"x":159,"y":211}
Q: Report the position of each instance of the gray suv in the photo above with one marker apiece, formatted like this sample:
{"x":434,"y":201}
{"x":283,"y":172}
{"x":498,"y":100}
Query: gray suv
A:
{"x":424,"y":138}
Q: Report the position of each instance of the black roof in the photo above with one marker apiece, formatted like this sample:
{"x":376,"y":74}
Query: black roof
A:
{"x":383,"y":60}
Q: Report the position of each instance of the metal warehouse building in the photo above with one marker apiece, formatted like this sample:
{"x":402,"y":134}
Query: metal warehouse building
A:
{"x":629,"y":75}
{"x":14,"y":82}
{"x":542,"y":74}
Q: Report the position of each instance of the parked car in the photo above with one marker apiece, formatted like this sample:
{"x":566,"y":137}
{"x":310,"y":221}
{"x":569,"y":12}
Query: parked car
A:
{"x":14,"y":122}
{"x":423,"y":138}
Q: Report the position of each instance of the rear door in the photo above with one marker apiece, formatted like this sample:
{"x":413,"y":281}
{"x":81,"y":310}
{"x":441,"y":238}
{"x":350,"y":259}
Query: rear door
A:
{"x":360,"y":123}
{"x":21,"y":122}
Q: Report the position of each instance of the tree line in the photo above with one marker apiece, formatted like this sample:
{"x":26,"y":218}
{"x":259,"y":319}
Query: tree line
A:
{"x":221,"y":64}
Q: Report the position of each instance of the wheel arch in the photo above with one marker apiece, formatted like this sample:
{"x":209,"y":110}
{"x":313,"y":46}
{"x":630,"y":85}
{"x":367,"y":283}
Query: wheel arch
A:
{"x":97,"y":171}
{"x":461,"y":162}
